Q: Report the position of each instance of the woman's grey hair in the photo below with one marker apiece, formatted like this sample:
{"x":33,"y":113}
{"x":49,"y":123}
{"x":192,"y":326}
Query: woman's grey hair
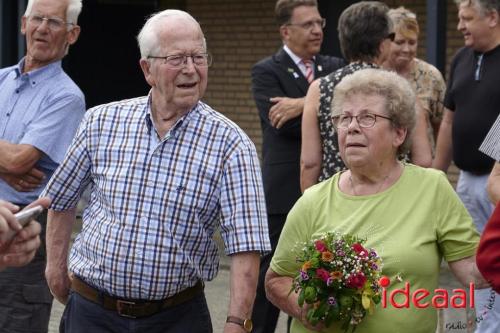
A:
{"x":483,"y":6}
{"x":399,"y":97}
{"x":362,"y":27}
{"x":72,"y":11}
{"x":150,"y":32}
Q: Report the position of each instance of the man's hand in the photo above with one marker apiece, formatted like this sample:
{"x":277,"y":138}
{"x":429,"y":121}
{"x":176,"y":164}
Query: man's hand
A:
{"x":285,"y":109}
{"x":22,"y":248}
{"x":59,"y":283}
{"x":26,"y":182}
{"x":59,"y":227}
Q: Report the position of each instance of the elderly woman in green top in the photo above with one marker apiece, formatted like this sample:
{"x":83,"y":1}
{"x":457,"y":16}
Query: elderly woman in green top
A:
{"x":409,"y":214}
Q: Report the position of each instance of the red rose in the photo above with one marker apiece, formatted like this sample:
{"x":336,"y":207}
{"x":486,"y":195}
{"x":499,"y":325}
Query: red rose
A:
{"x":356,"y":281}
{"x":359,"y":249}
{"x":320,"y":246}
{"x":322,"y":274}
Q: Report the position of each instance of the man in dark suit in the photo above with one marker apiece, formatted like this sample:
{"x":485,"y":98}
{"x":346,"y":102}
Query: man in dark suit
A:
{"x":279,"y":84}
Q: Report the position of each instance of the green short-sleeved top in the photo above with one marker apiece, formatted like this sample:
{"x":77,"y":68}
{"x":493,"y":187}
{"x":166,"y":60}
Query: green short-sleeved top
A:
{"x":412,"y":225}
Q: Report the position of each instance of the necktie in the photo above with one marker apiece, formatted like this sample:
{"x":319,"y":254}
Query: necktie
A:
{"x":309,"y":70}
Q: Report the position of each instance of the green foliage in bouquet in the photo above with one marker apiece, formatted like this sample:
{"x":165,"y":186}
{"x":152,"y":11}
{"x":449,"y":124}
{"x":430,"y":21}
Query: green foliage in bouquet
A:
{"x":339,"y":280}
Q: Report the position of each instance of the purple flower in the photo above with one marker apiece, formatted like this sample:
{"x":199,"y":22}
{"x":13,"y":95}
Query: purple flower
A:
{"x":373,"y":253}
{"x":340,"y":253}
{"x":374,"y":266}
{"x":329,"y":282}
{"x":332,"y":301}
{"x":304,"y":276}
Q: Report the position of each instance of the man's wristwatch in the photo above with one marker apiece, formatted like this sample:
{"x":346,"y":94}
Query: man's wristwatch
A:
{"x":245,"y":323}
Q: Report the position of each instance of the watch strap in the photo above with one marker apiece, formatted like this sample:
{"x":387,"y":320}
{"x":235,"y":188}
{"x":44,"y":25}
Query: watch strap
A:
{"x":245,"y":323}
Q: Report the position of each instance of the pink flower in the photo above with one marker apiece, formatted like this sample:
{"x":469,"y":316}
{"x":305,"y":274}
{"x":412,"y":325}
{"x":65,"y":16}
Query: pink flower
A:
{"x":359,"y":249}
{"x":322,"y":274}
{"x":320,"y":246}
{"x":356,"y":281}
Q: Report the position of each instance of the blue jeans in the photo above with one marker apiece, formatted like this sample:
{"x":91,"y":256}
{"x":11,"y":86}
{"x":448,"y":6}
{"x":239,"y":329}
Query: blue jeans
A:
{"x":472,"y":191}
{"x":83,"y":316}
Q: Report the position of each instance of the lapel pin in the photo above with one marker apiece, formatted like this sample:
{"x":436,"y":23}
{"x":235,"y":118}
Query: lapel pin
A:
{"x":295,"y":75}
{"x":320,"y":68}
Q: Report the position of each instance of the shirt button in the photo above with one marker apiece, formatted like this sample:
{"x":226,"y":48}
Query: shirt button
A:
{"x":17,"y":91}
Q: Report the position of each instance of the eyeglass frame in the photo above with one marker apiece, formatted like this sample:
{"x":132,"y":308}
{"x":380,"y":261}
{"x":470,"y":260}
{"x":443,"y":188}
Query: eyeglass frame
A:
{"x":375,"y":115}
{"x":207,"y":55}
{"x":309,"y":25}
{"x":48,"y":20}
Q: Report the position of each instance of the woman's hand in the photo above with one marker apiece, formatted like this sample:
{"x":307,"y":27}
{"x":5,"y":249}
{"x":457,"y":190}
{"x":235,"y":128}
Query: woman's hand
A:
{"x":278,"y":293}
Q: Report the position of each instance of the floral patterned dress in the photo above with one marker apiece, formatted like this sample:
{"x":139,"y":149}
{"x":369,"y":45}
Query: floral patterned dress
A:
{"x":332,"y":162}
{"x":429,"y":87}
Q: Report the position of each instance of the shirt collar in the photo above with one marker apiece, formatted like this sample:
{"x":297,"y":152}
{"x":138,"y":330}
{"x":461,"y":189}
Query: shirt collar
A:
{"x":296,"y":59}
{"x":181,"y":122}
{"x":40,"y":74}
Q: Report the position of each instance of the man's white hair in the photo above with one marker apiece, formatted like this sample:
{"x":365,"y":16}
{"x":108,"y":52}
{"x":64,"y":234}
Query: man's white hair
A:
{"x":148,"y":36}
{"x":72,"y":11}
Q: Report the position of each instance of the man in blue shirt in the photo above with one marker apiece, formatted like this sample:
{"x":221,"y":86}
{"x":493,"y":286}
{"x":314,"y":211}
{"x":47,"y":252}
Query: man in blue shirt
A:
{"x":165,"y":172}
{"x":41,"y":108}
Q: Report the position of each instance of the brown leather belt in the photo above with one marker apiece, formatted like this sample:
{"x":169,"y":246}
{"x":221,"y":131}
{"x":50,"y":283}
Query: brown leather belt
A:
{"x":134,"y":308}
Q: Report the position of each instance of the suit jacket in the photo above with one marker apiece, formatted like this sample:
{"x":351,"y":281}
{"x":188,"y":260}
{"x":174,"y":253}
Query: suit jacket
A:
{"x":279,"y":76}
{"x":488,"y":253}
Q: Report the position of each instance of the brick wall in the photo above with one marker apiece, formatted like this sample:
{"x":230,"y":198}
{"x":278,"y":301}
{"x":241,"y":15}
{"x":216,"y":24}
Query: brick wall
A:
{"x":239,"y":33}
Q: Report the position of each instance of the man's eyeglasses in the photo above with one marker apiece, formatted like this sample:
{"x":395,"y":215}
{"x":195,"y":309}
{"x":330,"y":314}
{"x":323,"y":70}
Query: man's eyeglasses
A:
{"x":309,"y":25}
{"x":180,"y":60}
{"x":54,"y":23}
{"x":366,"y":120}
{"x":391,"y":36}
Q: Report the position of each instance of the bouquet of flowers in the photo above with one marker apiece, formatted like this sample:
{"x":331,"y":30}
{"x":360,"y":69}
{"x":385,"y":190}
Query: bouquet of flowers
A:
{"x":339,"y":279}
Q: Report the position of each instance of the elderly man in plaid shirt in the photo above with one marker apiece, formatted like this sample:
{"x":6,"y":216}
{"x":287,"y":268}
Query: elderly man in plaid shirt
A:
{"x":165,"y":171}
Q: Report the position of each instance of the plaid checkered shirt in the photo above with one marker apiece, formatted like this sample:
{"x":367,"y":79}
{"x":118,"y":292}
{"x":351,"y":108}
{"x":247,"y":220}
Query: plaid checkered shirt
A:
{"x":155,"y":203}
{"x":491,"y":144}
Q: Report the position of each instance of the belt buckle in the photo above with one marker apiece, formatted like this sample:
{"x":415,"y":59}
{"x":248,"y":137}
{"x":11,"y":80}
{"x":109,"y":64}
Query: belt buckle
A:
{"x":122,"y":306}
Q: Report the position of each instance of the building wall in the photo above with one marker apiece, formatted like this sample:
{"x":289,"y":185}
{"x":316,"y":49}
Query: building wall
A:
{"x":239,"y":33}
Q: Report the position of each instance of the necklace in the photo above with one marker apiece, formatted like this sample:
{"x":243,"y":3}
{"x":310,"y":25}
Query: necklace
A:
{"x":378,"y":189}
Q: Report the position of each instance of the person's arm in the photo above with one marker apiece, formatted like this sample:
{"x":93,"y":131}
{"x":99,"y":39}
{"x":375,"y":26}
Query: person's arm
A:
{"x":243,"y":286}
{"x":17,"y":159}
{"x":444,"y":145}
{"x":311,"y":154}
{"x":494,"y":184}
{"x":276,"y":108}
{"x":421,"y":151}
{"x":466,"y":271}
{"x":278,"y":293}
{"x":59,"y":227}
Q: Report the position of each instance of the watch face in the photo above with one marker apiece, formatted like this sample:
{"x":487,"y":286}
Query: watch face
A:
{"x":247,"y":325}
